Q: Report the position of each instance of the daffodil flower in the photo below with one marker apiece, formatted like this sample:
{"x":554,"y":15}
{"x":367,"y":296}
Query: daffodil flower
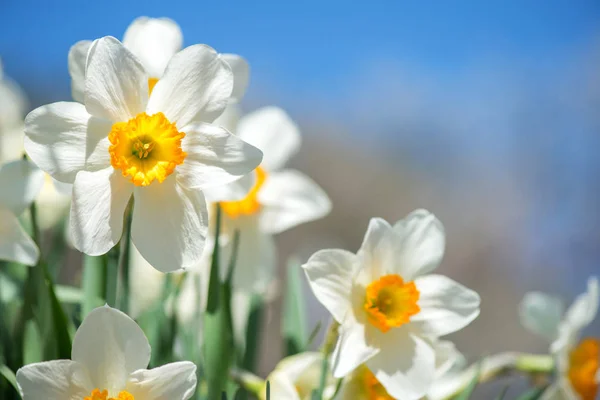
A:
{"x":20,"y":183}
{"x":154,"y":41}
{"x":388,"y":305}
{"x":577,"y":359}
{"x":108,"y":362}
{"x":362,"y":384}
{"x":159,"y":148}
{"x":266,"y":202}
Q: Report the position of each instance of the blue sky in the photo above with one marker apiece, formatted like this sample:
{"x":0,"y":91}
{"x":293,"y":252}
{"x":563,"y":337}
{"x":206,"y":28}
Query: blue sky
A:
{"x":306,"y":46}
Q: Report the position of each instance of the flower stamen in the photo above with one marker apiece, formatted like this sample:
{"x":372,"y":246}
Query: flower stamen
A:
{"x":249,"y":205}
{"x":390,"y":302}
{"x":97,"y":394}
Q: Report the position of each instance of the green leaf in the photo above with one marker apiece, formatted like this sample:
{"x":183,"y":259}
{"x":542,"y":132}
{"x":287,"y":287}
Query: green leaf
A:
{"x":249,"y":359}
{"x":93,"y":283}
{"x":32,"y":348}
{"x":466,"y":394}
{"x":214,"y":280}
{"x":533,"y":394}
{"x":9,"y":376}
{"x":60,"y":321}
{"x":313,"y":334}
{"x":294,"y":316}
{"x":502,"y":394}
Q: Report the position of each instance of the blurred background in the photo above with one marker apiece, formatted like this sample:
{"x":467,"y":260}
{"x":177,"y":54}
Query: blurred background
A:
{"x":486,"y":113}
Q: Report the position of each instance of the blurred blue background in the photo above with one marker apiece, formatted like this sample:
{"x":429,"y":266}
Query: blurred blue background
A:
{"x":485,"y":112}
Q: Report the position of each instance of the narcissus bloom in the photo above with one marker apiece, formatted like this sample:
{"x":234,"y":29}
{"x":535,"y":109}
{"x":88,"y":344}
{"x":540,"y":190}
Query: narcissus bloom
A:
{"x":154,"y":41}
{"x":268,"y":201}
{"x":159,"y":148}
{"x":295,"y":378}
{"x":109,"y":360}
{"x":388,"y":305}
{"x":362,"y":384}
{"x":20,"y":183}
{"x":577,"y":360}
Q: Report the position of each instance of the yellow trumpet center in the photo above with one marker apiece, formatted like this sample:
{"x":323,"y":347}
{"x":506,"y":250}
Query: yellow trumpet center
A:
{"x":584,"y":363}
{"x":103,"y":395}
{"x":248,"y":205}
{"x":146,"y":148}
{"x":390,"y":302}
{"x":151,"y":83}
{"x":369,"y":386}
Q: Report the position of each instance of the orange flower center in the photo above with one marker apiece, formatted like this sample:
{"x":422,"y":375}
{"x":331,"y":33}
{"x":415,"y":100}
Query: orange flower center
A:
{"x":374,"y":389}
{"x":583,"y":366}
{"x":390,"y":302}
{"x":103,"y":395}
{"x":249,"y":205}
{"x":151,"y":83}
{"x":146,"y":148}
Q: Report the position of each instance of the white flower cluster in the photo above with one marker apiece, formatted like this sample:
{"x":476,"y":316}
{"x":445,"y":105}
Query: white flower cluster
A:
{"x":155,"y":136}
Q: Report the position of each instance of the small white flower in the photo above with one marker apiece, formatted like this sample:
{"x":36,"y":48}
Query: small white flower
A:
{"x":109,"y":360}
{"x":158,"y":147}
{"x":20,"y":183}
{"x":296,"y":377}
{"x":388,"y":305}
{"x":577,"y":360}
{"x":266,"y":202}
{"x":154,"y":41}
{"x":362,"y":384}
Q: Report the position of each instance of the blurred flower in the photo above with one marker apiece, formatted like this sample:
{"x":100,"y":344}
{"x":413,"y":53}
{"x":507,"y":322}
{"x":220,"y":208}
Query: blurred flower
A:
{"x":577,"y":361}
{"x":295,"y":377}
{"x":20,"y":183}
{"x":388,"y":305}
{"x":154,"y":41}
{"x":361,"y":384}
{"x":266,"y":202}
{"x":109,"y":360}
{"x":125,"y":142}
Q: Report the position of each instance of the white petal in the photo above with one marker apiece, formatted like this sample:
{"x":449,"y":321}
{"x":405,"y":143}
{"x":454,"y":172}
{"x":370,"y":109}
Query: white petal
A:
{"x":236,"y":190}
{"x":175,"y":381}
{"x":330,"y":274}
{"x":214,"y":157}
{"x":97,"y":210}
{"x":541,"y":314}
{"x":11,"y":141}
{"x":62,"y":139}
{"x":15,"y":243}
{"x":111,"y":346}
{"x":585,"y":307}
{"x":295,"y":366}
{"x":54,"y":380}
{"x":446,"y":306}
{"x":271,"y":130}
{"x":195,"y":87}
{"x":290,"y":198}
{"x":77,"y":62}
{"x":154,"y":41}
{"x":351,"y":349}
{"x":241,"y":75}
{"x":116,"y":84}
{"x":446,"y":356}
{"x":169,"y":225}
{"x":281,"y":388}
{"x":406,"y":369}
{"x":422,"y":244}
{"x":377,"y":252}
{"x":229,"y":119}
{"x":145,"y":283}
{"x":20,"y":183}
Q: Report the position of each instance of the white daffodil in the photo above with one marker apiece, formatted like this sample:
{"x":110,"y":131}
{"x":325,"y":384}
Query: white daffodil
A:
{"x":154,"y":41}
{"x":20,"y":183}
{"x":296,"y":377}
{"x":158,"y":147}
{"x":577,"y":360}
{"x":388,"y":305}
{"x":266,"y":202}
{"x":109,"y":360}
{"x":362,"y":384}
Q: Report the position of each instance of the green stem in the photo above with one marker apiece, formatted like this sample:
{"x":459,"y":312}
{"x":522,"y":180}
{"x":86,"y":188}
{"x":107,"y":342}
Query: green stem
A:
{"x":123,"y":263}
{"x":249,"y":381}
{"x":328,"y":346}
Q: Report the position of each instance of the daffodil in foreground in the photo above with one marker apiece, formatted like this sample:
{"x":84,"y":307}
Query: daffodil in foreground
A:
{"x":296,"y":377}
{"x":109,"y":360}
{"x":159,"y":148}
{"x":20,"y":183}
{"x":388,"y":305}
{"x":278,"y":199}
{"x":154,"y":41}
{"x":362,"y":384}
{"x":577,"y":359}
